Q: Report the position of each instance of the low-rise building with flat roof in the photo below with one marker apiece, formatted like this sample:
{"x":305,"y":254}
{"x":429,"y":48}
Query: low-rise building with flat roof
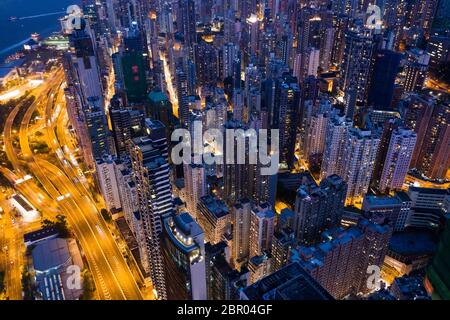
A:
{"x":289,"y":283}
{"x":55,"y":262}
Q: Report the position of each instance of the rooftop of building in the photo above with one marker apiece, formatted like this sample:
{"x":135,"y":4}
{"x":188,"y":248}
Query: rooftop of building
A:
{"x":215,"y":205}
{"x":311,"y":257}
{"x":258,"y":260}
{"x":108,"y":159}
{"x":50,"y":254}
{"x":352,"y":210}
{"x":413,"y":242}
{"x":286,"y":213}
{"x":264,"y":210}
{"x":383,"y":200}
{"x":333,"y":179}
{"x":155,"y":163}
{"x":186,"y":224}
{"x":404,"y":197}
{"x":410,"y":288}
{"x":284,"y":236}
{"x":291,"y":180}
{"x":378,"y":223}
{"x":429,"y":190}
{"x":177,"y":201}
{"x":239,"y":205}
{"x":362,"y":133}
{"x":40,"y":234}
{"x":153,"y":124}
{"x":291,"y":282}
{"x":182,"y":230}
{"x":157,"y":96}
{"x":339,"y":236}
{"x":144,"y":143}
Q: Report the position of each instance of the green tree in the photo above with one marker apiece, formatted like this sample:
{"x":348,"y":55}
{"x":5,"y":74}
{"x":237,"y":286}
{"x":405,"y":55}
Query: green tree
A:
{"x":106,"y":215}
{"x":60,"y":225}
{"x":2,"y":282}
{"x":27,"y":286}
{"x":88,"y":286}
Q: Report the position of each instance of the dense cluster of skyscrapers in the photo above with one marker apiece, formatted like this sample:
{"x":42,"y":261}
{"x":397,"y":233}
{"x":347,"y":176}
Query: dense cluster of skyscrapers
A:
{"x":348,"y":96}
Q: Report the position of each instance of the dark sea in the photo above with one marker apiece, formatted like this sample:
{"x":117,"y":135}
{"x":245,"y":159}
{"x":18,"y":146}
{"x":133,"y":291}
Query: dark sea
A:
{"x":40,"y":16}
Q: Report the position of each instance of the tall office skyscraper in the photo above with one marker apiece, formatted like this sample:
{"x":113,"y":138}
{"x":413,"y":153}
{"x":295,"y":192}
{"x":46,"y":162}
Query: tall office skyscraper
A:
{"x":86,"y":65}
{"x":381,"y":87}
{"x":229,"y":55}
{"x":236,"y":176}
{"x":397,"y":160}
{"x":282,"y":243}
{"x":206,"y":64}
{"x":315,"y":136}
{"x":360,"y":154}
{"x":182,"y":95}
{"x":355,"y":65}
{"x":151,"y":174}
{"x":388,"y":126}
{"x":160,"y":108}
{"x":83,"y":76}
{"x":183,"y":251}
{"x":97,"y":128}
{"x":318,"y":208}
{"x":128,"y":198}
{"x":186,"y":21}
{"x":416,"y":68}
{"x":241,"y":231}
{"x":417,"y":112}
{"x":133,"y":66}
{"x":286,"y":110}
{"x":195,"y":185}
{"x":433,"y":159}
{"x":251,"y":35}
{"x":106,"y":174}
{"x":126,"y":124}
{"x":121,"y":130}
{"x":334,"y":151}
{"x":341,"y":262}
{"x":262,"y":227}
{"x":224,"y":282}
{"x":214,"y":218}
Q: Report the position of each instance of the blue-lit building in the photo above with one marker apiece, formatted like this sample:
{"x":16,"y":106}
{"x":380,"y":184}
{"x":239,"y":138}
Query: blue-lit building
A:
{"x":382,"y":82}
{"x":51,"y":262}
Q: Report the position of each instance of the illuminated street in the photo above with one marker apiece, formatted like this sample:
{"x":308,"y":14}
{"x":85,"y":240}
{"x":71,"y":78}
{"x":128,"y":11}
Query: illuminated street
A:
{"x":226,"y":151}
{"x":111,"y":273}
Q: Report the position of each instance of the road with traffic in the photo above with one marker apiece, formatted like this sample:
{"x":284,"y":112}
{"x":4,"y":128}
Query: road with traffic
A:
{"x":61,"y":185}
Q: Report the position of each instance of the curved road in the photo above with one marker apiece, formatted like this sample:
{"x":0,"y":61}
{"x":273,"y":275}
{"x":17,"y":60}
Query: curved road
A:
{"x":111,"y":274}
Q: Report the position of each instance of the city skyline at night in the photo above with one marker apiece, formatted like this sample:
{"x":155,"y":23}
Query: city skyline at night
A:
{"x":226,"y":150}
